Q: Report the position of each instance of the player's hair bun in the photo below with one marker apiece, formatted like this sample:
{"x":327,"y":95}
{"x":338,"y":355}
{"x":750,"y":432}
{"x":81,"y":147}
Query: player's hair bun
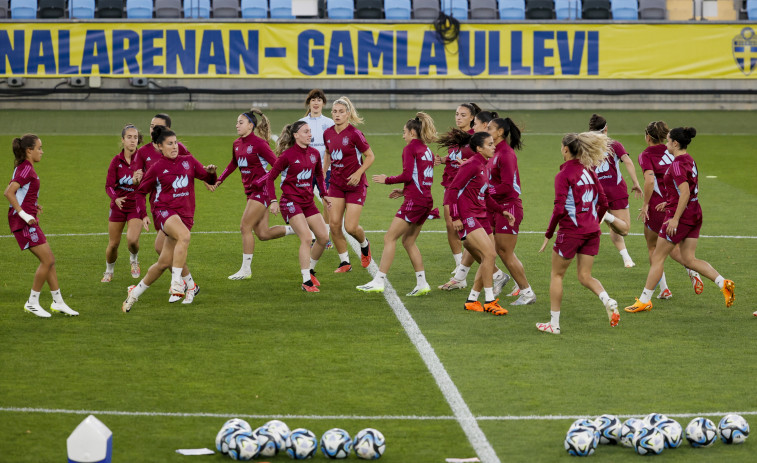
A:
{"x":690,"y":132}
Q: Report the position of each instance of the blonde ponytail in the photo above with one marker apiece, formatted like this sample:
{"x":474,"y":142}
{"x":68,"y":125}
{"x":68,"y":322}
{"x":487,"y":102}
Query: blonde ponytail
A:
{"x":590,"y":148}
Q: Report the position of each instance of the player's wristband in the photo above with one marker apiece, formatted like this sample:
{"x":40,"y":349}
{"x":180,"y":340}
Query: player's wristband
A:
{"x":609,"y":218}
{"x":25,"y":217}
{"x":274,"y":200}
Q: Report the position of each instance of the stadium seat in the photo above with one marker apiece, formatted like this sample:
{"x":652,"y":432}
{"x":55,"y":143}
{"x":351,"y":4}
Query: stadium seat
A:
{"x":751,"y":9}
{"x":458,"y":9}
{"x":168,"y":8}
{"x":397,"y":9}
{"x":139,"y":9}
{"x":52,"y":9}
{"x":627,"y":10}
{"x":369,"y":9}
{"x":254,"y":9}
{"x":81,"y":9}
{"x":425,"y":9}
{"x":539,"y":9}
{"x":512,"y":9}
{"x":196,"y":8}
{"x":340,"y":9}
{"x":4,"y":9}
{"x":568,"y":9}
{"x":24,"y":9}
{"x":109,"y":9}
{"x":596,"y":9}
{"x":321,"y":9}
{"x":483,"y":9}
{"x":281,"y":9}
{"x":225,"y":8}
{"x":653,"y":9}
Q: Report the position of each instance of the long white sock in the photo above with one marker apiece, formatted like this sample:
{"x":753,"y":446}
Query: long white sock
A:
{"x":289,"y":230}
{"x":488,"y":294}
{"x":498,"y":274}
{"x":57,"y":297}
{"x":420,"y":278}
{"x":604,"y":297}
{"x":555,"y":319}
{"x":34,"y":297}
{"x":473,"y":296}
{"x":110,"y":267}
{"x":313,"y":263}
{"x":188,"y":280}
{"x":379,"y":278}
{"x":344,"y":257}
{"x":526,"y":291}
{"x":305,"y":275}
{"x":462,"y":272}
{"x":247,"y":262}
{"x":625,"y":255}
{"x":646,"y":295}
{"x":364,"y":243}
{"x":458,"y":258}
{"x":139,"y":289}
{"x":176,"y":274}
{"x":133,"y":257}
{"x":720,"y":281}
{"x":663,"y":283}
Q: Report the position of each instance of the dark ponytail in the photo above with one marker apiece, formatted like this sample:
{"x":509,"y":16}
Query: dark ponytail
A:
{"x":597,"y":123}
{"x":160,"y":133}
{"x":485,"y":116}
{"x":509,"y":129}
{"x":20,"y":145}
{"x":454,"y":138}
{"x":683,"y":135}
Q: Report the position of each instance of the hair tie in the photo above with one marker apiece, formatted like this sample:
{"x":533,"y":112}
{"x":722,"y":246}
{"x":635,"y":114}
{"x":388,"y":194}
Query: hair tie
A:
{"x":248,"y":118}
{"x":417,"y":119}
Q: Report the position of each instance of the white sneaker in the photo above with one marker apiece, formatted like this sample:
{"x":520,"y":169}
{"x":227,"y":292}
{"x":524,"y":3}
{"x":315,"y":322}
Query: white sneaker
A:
{"x":63,"y":308}
{"x":107,"y":276}
{"x":454,"y":284}
{"x":371,"y":287}
{"x":37,"y":310}
{"x":524,"y":299}
{"x":500,"y":283}
{"x":419,"y":291}
{"x":130,"y":300}
{"x":241,"y":275}
{"x":189,"y":296}
{"x":547,"y":328}
{"x":135,"y":270}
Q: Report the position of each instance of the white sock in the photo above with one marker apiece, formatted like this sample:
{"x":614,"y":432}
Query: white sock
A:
{"x":133,"y":257}
{"x":34,"y":297}
{"x":720,"y":281}
{"x":189,"y":281}
{"x":313,"y":263}
{"x":247,"y":262}
{"x":176,"y":273}
{"x":473,"y":296}
{"x":344,"y":257}
{"x":139,"y":289}
{"x":604,"y":297}
{"x":57,"y":298}
{"x":663,"y":283}
{"x":625,"y":255}
{"x":646,"y":295}
{"x":420,"y":279}
{"x":555,"y":320}
{"x":289,"y":230}
{"x":109,"y":267}
{"x":462,"y":272}
{"x":488,"y":294}
{"x":526,"y":291}
{"x":364,"y":243}
{"x":379,"y":278}
{"x":498,"y":274}
{"x":312,"y":235}
{"x":458,"y":258}
{"x":305,"y":275}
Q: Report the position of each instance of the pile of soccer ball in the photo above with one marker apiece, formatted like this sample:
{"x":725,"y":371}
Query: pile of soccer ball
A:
{"x":649,"y":436}
{"x":238,"y":440}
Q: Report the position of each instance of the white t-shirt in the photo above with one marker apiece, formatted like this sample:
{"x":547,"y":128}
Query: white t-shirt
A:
{"x":318,"y":125}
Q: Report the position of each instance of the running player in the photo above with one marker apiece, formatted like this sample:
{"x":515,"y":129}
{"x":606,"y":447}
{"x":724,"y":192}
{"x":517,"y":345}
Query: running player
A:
{"x":298,"y":163}
{"x":654,"y":162}
{"x":119,"y":186}
{"x":579,"y":202}
{"x":252,"y":154}
{"x":22,"y":193}
{"x":614,"y":185}
{"x":683,"y":220}
{"x":348,"y":155}
{"x":417,"y":177}
{"x":171,"y":180}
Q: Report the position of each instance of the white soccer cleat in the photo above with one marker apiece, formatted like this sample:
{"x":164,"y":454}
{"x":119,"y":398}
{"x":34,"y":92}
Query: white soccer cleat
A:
{"x":371,"y":287}
{"x":189,"y":296}
{"x":130,"y":300}
{"x":515,"y":291}
{"x":135,"y":270}
{"x":665,"y":294}
{"x":241,"y":275}
{"x":525,"y":299}
{"x":629,"y":263}
{"x":63,"y":308}
{"x":454,"y":284}
{"x":37,"y":310}
{"x":177,"y":291}
{"x":107,"y":276}
{"x":547,"y":328}
{"x":612,"y":312}
{"x":500,"y":283}
{"x":419,"y":291}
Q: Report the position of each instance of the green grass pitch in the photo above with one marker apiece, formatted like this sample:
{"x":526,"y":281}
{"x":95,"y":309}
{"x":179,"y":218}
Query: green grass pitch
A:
{"x":262,"y":348}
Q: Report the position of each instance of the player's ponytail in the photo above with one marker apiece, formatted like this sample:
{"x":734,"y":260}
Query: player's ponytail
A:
{"x":657,"y":131}
{"x":286,"y":139}
{"x":597,"y":123}
{"x":20,"y":145}
{"x":160,"y":133}
{"x":683,"y":136}
{"x":455,"y":138}
{"x":424,"y":128}
{"x":262,"y":128}
{"x":353,"y":118}
{"x":590,"y":148}
{"x":509,"y":130}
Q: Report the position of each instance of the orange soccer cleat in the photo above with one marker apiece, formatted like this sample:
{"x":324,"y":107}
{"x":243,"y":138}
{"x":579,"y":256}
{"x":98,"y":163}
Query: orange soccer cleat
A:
{"x":639,"y":306}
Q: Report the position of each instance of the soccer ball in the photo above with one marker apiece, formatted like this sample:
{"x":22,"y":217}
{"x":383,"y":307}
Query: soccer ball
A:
{"x":587,"y":423}
{"x":652,"y":419}
{"x":336,"y":444}
{"x":581,"y":441}
{"x":280,"y":427}
{"x":301,"y":444}
{"x":734,"y":429}
{"x":270,"y":442}
{"x":648,"y":440}
{"x":630,"y":426}
{"x":228,"y":428}
{"x":609,"y":427}
{"x":672,"y":432}
{"x":369,"y":444}
{"x":245,"y":447}
{"x":701,"y":432}
{"x":233,"y":441}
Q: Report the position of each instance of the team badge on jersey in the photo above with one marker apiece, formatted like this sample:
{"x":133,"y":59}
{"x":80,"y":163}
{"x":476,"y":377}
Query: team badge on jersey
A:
{"x":185,"y":165}
{"x":345,"y":141}
{"x":312,"y":159}
{"x":745,"y":50}
{"x":249,"y":149}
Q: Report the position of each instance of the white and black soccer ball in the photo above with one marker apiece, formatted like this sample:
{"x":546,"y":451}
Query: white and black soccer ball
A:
{"x":233,"y":441}
{"x":733,"y":429}
{"x":228,"y":428}
{"x":609,"y":427}
{"x":369,"y":444}
{"x":629,"y":429}
{"x":587,"y":423}
{"x":279,"y":427}
{"x":648,"y":441}
{"x":701,"y":432}
{"x":336,"y":444}
{"x":245,"y":447}
{"x":581,"y":441}
{"x":672,"y":432}
{"x":653,"y":418}
{"x":301,"y":444}
{"x":270,"y":442}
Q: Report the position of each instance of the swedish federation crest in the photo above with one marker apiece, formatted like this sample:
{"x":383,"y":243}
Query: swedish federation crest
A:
{"x":745,"y":50}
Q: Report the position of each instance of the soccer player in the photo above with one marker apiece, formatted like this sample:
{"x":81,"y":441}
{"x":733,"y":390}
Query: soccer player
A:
{"x":171,"y":180}
{"x":251,"y":153}
{"x":614,"y":185}
{"x":22,"y":193}
{"x":579,"y":202}
{"x":301,"y":163}
{"x":505,"y":189}
{"x":683,"y":220}
{"x":654,"y":162}
{"x":470,"y":190}
{"x":119,"y":186}
{"x":318,"y":123}
{"x":417,"y":176}
{"x":348,"y":155}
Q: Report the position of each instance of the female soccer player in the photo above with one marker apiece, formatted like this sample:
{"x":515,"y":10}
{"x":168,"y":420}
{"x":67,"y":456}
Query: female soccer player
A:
{"x":470,"y":188}
{"x":251,"y":154}
{"x":301,"y":164}
{"x":614,"y":185}
{"x":119,"y":186}
{"x":654,"y":162}
{"x":348,"y":155}
{"x":579,"y":202}
{"x":683,"y":220}
{"x":22,"y":193}
{"x":171,"y":180}
{"x":417,"y":176}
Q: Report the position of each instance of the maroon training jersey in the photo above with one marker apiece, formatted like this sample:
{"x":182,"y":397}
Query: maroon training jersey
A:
{"x":252,"y":155}
{"x":346,"y":149}
{"x":297,"y":166}
{"x":148,"y":155}
{"x":26,"y":196}
{"x":470,"y":190}
{"x":609,"y":173}
{"x":657,"y":159}
{"x":119,"y":182}
{"x":451,"y":164}
{"x":505,"y":179}
{"x":682,"y":169}
{"x":579,"y":200}
{"x":417,"y":173}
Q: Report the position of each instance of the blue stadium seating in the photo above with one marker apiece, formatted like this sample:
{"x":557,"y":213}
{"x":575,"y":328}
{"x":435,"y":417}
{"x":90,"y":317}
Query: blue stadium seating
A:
{"x":512,"y":9}
{"x":82,"y":9}
{"x":340,"y":9}
{"x":568,"y":9}
{"x":281,"y":9}
{"x":254,"y":9}
{"x":24,"y":9}
{"x":458,"y":9}
{"x":751,"y":9}
{"x":196,"y":8}
{"x":397,"y":9}
{"x":627,"y":10}
{"x":138,"y":9}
